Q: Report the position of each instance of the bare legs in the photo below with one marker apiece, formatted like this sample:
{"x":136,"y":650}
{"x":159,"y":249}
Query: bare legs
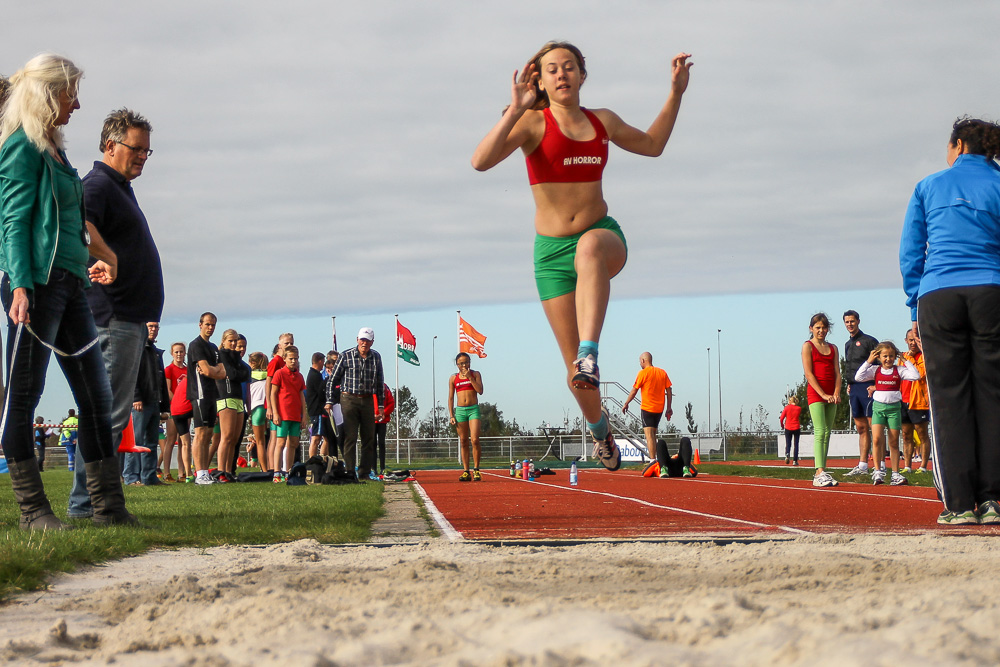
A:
{"x":468,"y":436}
{"x":230,"y":422}
{"x":579,"y":315}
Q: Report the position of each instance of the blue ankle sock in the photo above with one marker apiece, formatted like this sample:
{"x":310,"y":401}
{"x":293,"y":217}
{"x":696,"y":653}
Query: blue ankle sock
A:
{"x":600,"y":429}
{"x":587,"y":347}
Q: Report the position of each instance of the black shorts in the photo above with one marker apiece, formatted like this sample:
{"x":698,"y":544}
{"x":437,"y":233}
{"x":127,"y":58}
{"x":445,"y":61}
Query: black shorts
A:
{"x":650,"y":419}
{"x":204,"y":413}
{"x":915,"y":416}
{"x":183,"y":423}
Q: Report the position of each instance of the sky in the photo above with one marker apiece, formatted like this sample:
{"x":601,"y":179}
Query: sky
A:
{"x":312,"y":160}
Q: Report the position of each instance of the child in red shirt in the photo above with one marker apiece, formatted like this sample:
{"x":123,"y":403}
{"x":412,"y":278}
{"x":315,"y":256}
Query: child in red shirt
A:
{"x":288,"y":408}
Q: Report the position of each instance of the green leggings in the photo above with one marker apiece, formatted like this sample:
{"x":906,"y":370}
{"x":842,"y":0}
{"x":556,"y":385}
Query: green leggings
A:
{"x":822,"y":415}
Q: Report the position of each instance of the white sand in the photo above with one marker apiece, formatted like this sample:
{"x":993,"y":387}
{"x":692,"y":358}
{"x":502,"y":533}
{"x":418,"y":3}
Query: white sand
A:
{"x":830,"y":600}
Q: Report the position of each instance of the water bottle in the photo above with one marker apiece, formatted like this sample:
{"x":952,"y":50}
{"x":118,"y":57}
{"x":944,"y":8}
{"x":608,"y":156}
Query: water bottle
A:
{"x":513,"y":468}
{"x":531,"y":469}
{"x":524,"y":470}
{"x":573,"y":476}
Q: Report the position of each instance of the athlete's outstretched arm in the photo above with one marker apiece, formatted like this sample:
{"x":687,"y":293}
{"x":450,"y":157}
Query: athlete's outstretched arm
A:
{"x":652,"y":141}
{"x":508,"y":134}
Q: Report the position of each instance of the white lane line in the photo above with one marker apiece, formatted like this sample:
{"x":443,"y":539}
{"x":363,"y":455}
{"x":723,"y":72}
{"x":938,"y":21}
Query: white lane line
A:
{"x":808,"y":489}
{"x":827,"y":490}
{"x":445,"y":525}
{"x":680,"y":510}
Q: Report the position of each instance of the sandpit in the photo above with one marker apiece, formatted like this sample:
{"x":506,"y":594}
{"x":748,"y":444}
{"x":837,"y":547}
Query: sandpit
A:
{"x":873,"y":599}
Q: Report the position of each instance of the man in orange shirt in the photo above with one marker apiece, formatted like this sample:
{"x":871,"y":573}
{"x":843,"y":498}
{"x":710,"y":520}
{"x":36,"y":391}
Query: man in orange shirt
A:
{"x":655,"y":385}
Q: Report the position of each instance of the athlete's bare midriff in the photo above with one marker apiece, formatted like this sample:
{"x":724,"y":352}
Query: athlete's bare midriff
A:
{"x":565,"y":209}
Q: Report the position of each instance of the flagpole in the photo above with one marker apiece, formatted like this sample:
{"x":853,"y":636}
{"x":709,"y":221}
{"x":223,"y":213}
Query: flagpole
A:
{"x":333,"y":324}
{"x":396,"y":334}
{"x":458,"y":325}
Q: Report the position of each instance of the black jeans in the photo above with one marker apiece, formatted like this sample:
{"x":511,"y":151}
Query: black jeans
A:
{"x":380,"y":430}
{"x":359,"y":417}
{"x":960,"y":332}
{"x":60,"y":316}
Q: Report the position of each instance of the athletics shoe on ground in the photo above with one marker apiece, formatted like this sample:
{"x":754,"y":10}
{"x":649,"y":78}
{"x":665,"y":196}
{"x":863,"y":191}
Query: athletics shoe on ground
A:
{"x":207,"y":479}
{"x":477,"y":476}
{"x":788,"y":460}
{"x":824,"y":480}
{"x":466,"y":477}
{"x":664,"y":473}
{"x":878,"y":477}
{"x":920,"y":471}
{"x":607,"y":452}
{"x":989,"y":512}
{"x":587,"y":375}
{"x":947,"y":518}
{"x":687,"y":472}
{"x":898,"y":480}
{"x":857,"y":471}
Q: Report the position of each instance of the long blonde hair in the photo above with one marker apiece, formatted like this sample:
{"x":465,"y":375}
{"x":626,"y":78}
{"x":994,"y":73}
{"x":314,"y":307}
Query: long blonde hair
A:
{"x":33,"y":102}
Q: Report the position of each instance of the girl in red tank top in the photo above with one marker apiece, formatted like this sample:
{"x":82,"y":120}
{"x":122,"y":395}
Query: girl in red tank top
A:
{"x":822,"y":370}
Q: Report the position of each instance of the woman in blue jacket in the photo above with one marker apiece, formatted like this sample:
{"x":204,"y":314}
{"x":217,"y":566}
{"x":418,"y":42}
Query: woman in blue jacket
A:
{"x":44,"y":255}
{"x":949,"y":256}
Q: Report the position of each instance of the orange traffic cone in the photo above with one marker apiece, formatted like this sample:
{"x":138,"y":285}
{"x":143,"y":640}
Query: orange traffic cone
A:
{"x":128,"y":445}
{"x":696,"y":459}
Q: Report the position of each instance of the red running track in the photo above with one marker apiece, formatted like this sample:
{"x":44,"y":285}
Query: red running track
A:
{"x":624,"y":504}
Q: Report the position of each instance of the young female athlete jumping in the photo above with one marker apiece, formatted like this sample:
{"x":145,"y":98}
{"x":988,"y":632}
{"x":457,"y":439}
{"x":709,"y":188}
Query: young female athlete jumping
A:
{"x":578,"y":247}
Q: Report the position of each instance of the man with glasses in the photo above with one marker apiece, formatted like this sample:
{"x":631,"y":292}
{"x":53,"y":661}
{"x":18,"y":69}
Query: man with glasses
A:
{"x":358,"y":372}
{"x":120,"y":239}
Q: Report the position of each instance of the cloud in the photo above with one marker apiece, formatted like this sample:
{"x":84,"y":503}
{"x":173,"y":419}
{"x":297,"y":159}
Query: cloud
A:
{"x":311,"y":154}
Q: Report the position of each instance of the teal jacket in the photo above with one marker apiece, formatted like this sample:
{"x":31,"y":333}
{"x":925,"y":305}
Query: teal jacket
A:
{"x":29,"y":212}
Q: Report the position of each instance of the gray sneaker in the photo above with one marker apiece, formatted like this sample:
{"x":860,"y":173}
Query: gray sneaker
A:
{"x":899,"y":480}
{"x":947,"y":518}
{"x":824,"y":480}
{"x":607,"y":452}
{"x":587,"y":375}
{"x":878,"y":477}
{"x":857,"y":471}
{"x":989,"y":512}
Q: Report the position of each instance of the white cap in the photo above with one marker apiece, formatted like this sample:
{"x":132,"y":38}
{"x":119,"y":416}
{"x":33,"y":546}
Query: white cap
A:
{"x":366,"y":333}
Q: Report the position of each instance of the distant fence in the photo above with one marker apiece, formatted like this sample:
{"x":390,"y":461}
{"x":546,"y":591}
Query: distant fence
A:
{"x":710,"y":446}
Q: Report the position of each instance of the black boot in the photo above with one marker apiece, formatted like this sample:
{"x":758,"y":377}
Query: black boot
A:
{"x":36,"y":513}
{"x":104,"y":484}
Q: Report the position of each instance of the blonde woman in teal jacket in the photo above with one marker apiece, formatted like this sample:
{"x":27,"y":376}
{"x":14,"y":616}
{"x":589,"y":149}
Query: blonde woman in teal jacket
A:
{"x":44,"y":254}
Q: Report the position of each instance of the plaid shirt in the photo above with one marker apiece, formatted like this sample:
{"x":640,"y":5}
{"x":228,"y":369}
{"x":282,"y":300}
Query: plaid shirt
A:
{"x":357,"y":375}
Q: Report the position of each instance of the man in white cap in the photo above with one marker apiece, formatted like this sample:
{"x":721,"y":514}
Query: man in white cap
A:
{"x":359,"y":374}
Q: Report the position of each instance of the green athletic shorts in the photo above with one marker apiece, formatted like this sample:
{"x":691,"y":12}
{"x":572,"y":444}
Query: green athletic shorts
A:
{"x":258,"y":417}
{"x":467,"y":413}
{"x":887,"y":414}
{"x":555,"y":274}
{"x":229,"y":404}
{"x":289,"y":428}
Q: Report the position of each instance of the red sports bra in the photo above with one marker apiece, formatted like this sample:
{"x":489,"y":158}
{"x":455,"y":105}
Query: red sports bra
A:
{"x":463,"y":384}
{"x":559,"y":159}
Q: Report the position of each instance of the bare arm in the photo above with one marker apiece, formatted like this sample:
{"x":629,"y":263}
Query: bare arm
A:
{"x":513,"y":130}
{"x":451,"y":399}
{"x":652,"y":142}
{"x":217,"y":372}
{"x":629,"y":399}
{"x":670,"y":399}
{"x":273,"y":402}
{"x":105,"y":269}
{"x":476,"y":379}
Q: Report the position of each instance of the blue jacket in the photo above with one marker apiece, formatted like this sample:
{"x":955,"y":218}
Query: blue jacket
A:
{"x":951,"y":235}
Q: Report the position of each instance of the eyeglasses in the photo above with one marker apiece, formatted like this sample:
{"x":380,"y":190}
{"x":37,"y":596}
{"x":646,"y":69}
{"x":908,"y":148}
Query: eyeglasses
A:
{"x":141,"y":151}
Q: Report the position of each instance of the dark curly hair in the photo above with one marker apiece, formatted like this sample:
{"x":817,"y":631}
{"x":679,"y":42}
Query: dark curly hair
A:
{"x":980,"y":137}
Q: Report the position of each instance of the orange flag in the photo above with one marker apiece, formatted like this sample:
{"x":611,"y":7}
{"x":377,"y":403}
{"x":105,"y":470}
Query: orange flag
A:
{"x":470,"y":340}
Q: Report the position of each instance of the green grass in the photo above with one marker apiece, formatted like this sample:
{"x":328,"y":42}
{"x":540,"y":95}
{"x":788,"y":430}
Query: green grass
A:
{"x":182,"y":515}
